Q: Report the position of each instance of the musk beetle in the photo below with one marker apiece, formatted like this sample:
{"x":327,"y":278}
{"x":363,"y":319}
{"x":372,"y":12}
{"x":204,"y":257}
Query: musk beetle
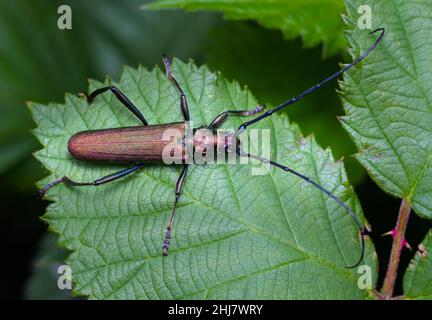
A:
{"x":143,"y":144}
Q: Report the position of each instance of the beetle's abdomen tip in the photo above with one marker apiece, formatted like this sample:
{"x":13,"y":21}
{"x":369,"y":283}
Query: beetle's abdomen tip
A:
{"x":75,"y":147}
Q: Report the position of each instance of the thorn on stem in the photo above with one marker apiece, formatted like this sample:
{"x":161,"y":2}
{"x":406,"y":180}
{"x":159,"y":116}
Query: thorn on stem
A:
{"x":405,"y":244}
{"x":393,"y":234}
{"x":390,"y":233}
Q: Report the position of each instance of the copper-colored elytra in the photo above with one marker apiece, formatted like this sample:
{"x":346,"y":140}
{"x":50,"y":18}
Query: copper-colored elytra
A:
{"x":140,"y":144}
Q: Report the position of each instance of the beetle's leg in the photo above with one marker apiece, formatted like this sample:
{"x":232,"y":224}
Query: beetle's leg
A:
{"x":105,"y":179}
{"x":220,"y":119}
{"x":183,"y":102}
{"x":122,"y":98}
{"x":179,"y":187}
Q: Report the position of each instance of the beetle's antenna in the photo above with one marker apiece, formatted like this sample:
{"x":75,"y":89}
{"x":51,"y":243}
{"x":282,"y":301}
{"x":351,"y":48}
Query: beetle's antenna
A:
{"x":362,"y":229}
{"x":316,"y":87}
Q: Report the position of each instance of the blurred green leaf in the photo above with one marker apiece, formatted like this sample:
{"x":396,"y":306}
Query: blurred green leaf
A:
{"x":418,"y":278}
{"x":387,"y":100}
{"x":315,"y":21}
{"x":42,"y":284}
{"x":236,"y":235}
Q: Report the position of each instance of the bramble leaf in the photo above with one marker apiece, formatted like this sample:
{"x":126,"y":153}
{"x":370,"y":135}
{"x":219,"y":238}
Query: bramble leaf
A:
{"x":388,"y":99}
{"x":315,"y":21}
{"x":236,"y":236}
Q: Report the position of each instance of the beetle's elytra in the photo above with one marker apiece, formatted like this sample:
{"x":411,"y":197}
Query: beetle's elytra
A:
{"x":146,"y":143}
{"x":131,"y":144}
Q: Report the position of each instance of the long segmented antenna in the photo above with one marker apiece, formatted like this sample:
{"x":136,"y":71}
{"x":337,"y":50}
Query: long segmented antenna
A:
{"x":316,"y":87}
{"x":362,"y":230}
{"x":268,"y":113}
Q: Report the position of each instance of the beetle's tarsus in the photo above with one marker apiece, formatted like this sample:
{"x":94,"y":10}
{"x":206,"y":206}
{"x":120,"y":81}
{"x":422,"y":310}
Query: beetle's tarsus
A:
{"x":39,"y":194}
{"x":166,"y":241}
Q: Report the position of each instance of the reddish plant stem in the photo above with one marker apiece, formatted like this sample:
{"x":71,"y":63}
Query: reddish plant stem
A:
{"x":398,"y":245}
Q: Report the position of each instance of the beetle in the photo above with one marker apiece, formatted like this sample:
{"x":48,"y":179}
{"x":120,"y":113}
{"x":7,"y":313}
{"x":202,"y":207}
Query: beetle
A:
{"x":146,"y":143}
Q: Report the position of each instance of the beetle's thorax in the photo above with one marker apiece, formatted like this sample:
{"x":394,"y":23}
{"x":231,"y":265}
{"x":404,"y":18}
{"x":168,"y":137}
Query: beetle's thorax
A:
{"x":220,"y":141}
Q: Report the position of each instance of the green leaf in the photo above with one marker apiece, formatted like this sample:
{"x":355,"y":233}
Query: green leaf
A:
{"x":418,"y":278}
{"x":236,"y":235}
{"x":315,"y":21}
{"x":42,"y":284}
{"x":388,"y":102}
